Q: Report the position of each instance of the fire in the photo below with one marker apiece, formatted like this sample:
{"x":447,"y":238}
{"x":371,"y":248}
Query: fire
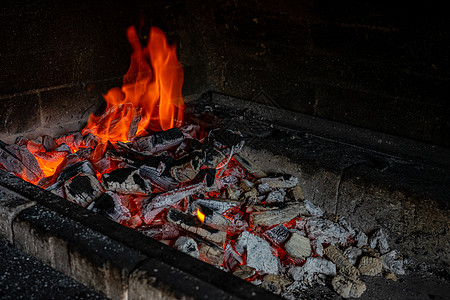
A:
{"x":150,"y":98}
{"x":200,"y":215}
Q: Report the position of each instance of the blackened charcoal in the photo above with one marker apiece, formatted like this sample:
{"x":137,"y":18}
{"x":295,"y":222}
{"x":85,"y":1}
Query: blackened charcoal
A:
{"x":72,"y":139}
{"x":83,"y":189}
{"x":84,"y":153}
{"x":187,"y":167}
{"x":49,"y":143}
{"x":72,"y":170}
{"x":193,"y":225}
{"x":213,"y":157}
{"x":209,"y":177}
{"x":227,"y":139}
{"x":91,"y":140}
{"x":159,"y":141}
{"x":278,"y":234}
{"x":164,"y":183}
{"x":137,"y":114}
{"x":63,"y":148}
{"x":104,"y":204}
{"x":126,"y":181}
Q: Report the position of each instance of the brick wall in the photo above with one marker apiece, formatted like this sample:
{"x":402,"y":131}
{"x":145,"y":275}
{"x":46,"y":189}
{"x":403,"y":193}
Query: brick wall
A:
{"x":356,"y":62}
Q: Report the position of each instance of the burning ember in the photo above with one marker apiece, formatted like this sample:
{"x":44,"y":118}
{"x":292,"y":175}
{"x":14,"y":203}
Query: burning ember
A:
{"x":141,"y":165}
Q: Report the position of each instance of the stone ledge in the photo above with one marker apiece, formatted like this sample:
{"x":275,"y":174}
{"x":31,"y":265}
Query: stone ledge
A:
{"x":113,"y":259}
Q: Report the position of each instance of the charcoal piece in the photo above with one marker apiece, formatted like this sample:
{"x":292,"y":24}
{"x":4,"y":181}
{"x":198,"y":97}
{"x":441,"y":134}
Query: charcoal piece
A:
{"x":72,"y":139}
{"x":191,"y":131}
{"x":275,"y":283}
{"x":213,"y":157}
{"x":91,"y":140}
{"x":187,"y":245}
{"x":164,"y":183}
{"x":214,"y":219}
{"x":379,"y":241}
{"x":83,"y":189}
{"x":63,"y":148}
{"x":49,"y":143}
{"x":209,"y":177}
{"x":72,"y":170}
{"x":244,"y":272}
{"x":313,"y":265}
{"x":226,"y":140}
{"x":84,"y":153}
{"x":393,"y":261}
{"x":259,"y":253}
{"x":27,"y":158}
{"x":296,"y":193}
{"x":163,"y":231}
{"x":104,"y":204}
{"x":155,"y":167}
{"x":337,"y":257}
{"x":211,"y":254}
{"x":12,"y":163}
{"x":193,"y":225}
{"x":277,"y":196}
{"x":159,"y":141}
{"x":137,"y":114}
{"x":52,"y":156}
{"x":117,"y":157}
{"x":126,"y":181}
{"x":326,"y":231}
{"x":187,"y":167}
{"x":152,"y":206}
{"x":188,"y":145}
{"x":278,"y":234}
{"x":231,"y":257}
{"x":271,"y":217}
{"x":218,"y":205}
{"x":348,"y":287}
{"x":250,"y":167}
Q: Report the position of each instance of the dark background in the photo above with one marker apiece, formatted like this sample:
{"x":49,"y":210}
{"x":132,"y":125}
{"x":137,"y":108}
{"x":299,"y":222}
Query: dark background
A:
{"x":365,"y":63}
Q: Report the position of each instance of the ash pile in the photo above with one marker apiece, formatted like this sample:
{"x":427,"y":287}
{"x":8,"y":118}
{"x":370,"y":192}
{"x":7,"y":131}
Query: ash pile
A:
{"x":197,"y":193}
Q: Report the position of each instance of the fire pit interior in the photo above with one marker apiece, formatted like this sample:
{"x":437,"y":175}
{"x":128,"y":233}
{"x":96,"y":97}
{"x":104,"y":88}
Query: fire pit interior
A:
{"x":333,"y":170}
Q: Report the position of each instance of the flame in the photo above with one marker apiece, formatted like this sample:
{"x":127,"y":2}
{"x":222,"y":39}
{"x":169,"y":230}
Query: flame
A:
{"x":150,"y":95}
{"x":200,"y":215}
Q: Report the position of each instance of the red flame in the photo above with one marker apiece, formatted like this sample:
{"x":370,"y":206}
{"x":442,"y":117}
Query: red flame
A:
{"x":150,"y":95}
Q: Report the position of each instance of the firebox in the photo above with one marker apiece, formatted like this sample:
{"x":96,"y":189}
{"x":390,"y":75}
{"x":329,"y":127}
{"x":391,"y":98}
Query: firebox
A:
{"x":317,"y":132}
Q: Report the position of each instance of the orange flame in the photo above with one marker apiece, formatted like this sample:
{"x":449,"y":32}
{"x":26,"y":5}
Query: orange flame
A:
{"x":200,"y":215}
{"x":150,"y":95}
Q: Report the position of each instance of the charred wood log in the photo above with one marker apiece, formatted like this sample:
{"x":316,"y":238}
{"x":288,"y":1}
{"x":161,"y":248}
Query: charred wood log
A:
{"x":193,"y":225}
{"x":271,"y":217}
{"x":83,"y":189}
{"x":151,"y":207}
{"x":159,"y":141}
{"x":126,"y":181}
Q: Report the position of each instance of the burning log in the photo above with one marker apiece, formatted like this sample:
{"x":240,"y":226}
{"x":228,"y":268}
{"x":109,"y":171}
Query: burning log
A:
{"x":83,"y":189}
{"x":218,"y":205}
{"x":151,"y":207}
{"x":159,"y":141}
{"x":193,"y":225}
{"x":126,"y":181}
{"x":213,"y":219}
{"x":271,"y":217}
{"x":136,"y":118}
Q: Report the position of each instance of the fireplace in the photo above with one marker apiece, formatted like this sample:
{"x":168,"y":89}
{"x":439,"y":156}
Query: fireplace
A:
{"x":317,"y":80}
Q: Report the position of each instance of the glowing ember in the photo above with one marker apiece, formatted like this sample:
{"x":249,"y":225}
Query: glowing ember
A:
{"x":200,"y":215}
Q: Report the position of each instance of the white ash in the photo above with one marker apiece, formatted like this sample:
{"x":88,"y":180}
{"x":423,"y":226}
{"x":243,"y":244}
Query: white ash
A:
{"x":352,"y":254}
{"x":379,"y":241}
{"x":259,"y":253}
{"x":317,"y":246}
{"x":361,"y":239}
{"x":276,"y":196}
{"x":393,"y":261}
{"x":327,"y":231}
{"x":312,"y":209}
{"x":312,"y":267}
{"x":279,"y":182}
{"x":187,"y":245}
{"x":298,"y":246}
{"x":344,"y":223}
